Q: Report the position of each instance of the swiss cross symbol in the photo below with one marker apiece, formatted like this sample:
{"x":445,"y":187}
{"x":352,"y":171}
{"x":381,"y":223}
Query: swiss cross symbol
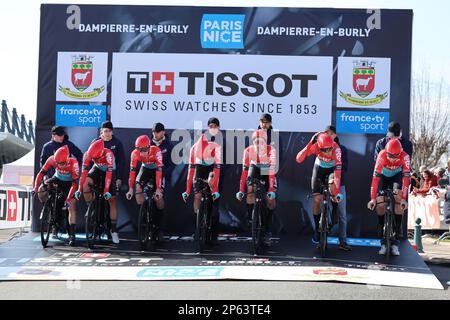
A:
{"x":12,"y":205}
{"x":163,"y":82}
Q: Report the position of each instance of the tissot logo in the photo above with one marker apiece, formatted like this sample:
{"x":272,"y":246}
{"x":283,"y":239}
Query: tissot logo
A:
{"x":224,"y":84}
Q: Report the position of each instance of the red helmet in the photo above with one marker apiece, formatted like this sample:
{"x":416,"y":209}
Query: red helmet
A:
{"x":62,"y":154}
{"x":259,"y":134}
{"x":142,"y":142}
{"x":324,"y":141}
{"x":96,"y":148}
{"x":394,"y":148}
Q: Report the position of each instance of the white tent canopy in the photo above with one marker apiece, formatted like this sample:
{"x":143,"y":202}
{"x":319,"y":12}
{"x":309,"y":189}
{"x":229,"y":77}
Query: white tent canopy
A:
{"x":20,"y":171}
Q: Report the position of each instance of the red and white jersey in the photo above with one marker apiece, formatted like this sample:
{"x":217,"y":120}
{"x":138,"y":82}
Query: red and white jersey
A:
{"x":153,"y":160}
{"x":267,"y":159}
{"x":388,"y":168}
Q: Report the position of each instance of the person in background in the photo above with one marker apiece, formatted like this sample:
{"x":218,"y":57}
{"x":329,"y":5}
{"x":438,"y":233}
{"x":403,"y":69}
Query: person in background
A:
{"x":415,"y":181}
{"x":394,"y":131}
{"x":447,"y":171}
{"x":162,"y":141}
{"x":341,"y":207}
{"x":59,"y":138}
{"x":429,"y":181}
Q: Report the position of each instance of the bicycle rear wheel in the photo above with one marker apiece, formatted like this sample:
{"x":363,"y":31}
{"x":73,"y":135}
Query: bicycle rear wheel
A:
{"x":46,"y":224}
{"x":91,"y":224}
{"x":257,"y":229}
{"x":144,"y":226}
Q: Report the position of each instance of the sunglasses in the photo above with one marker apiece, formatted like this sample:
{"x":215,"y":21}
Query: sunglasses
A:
{"x":393,"y":156}
{"x":61,"y":163}
{"x":326,"y":150}
{"x":143,"y":149}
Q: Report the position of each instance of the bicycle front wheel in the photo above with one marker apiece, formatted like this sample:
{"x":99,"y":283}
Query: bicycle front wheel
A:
{"x":323,"y":230}
{"x":91,"y":224}
{"x":257,"y":229}
{"x":46,"y":224}
{"x":144,"y":226}
{"x":200,"y":229}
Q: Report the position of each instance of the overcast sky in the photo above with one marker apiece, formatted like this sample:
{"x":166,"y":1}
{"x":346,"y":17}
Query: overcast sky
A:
{"x":19,"y":37}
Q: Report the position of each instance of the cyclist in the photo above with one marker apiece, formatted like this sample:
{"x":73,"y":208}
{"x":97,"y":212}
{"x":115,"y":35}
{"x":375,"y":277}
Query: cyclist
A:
{"x":327,"y":168}
{"x":103,"y":168}
{"x":259,"y":160}
{"x":151,"y":170}
{"x":205,"y":159}
{"x":392,"y":170}
{"x":66,"y":177}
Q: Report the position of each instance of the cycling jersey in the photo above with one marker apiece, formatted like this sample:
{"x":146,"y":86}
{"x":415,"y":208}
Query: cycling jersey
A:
{"x":67,"y":173}
{"x":105,"y":164}
{"x":204,"y":153}
{"x":152,"y":161}
{"x":267,"y":160}
{"x":324,"y":161}
{"x":387,"y":168}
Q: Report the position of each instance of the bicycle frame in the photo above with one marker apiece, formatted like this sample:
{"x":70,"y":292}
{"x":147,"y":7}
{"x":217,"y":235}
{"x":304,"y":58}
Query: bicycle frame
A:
{"x":258,"y":215}
{"x":146,"y":228}
{"x":203,"y":230}
{"x":388,"y":234}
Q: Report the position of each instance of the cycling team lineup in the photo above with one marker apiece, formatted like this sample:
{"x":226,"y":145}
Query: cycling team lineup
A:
{"x":96,"y":185}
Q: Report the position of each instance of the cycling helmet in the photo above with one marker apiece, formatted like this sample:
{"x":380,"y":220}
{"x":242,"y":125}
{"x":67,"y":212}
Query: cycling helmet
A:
{"x":324,"y":141}
{"x":62,"y":155}
{"x":394,"y":148}
{"x":142,"y":143}
{"x":259,"y":134}
{"x":95,"y":150}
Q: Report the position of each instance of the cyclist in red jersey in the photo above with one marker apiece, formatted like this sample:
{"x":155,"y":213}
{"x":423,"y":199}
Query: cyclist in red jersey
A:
{"x":392,"y":170}
{"x":259,"y":161}
{"x":151,"y":171}
{"x":104,"y":168}
{"x":205,"y":159}
{"x":327,"y":169}
{"x":66,"y":177}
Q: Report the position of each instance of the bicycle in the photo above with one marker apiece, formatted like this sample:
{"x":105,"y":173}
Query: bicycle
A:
{"x":203,"y":223}
{"x":98,"y":221}
{"x":52,"y":219}
{"x":147,"y":230}
{"x":388,"y":234}
{"x":258,"y":215}
{"x":325,"y":223}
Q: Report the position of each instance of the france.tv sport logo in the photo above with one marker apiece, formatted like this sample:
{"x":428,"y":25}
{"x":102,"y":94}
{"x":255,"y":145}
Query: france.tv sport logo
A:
{"x":362,"y":122}
{"x":222,"y":31}
{"x":80,"y":115}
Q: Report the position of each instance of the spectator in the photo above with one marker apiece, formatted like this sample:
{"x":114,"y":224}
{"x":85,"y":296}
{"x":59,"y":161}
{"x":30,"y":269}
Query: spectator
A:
{"x":394,"y":131}
{"x":447,"y":172}
{"x":415,"y":181}
{"x":439,"y":173}
{"x":59,"y":138}
{"x":430,"y":181}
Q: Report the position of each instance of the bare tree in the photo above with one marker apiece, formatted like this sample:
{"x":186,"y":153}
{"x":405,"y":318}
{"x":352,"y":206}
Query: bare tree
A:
{"x":430,"y":120}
